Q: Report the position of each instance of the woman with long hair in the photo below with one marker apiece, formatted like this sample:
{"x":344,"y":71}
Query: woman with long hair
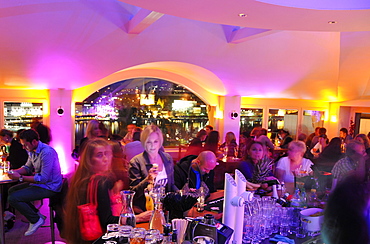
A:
{"x":153,"y":167}
{"x":230,"y":147}
{"x":330,"y":155}
{"x":196,"y":144}
{"x":365,"y":140}
{"x":93,"y":130}
{"x":95,"y":164}
{"x":256,"y":166}
{"x":211,"y":143}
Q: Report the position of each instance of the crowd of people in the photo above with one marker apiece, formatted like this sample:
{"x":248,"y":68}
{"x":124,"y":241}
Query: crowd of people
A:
{"x":138,"y":161}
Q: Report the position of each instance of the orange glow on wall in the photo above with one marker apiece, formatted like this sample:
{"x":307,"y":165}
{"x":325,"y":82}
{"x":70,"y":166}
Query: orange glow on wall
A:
{"x":333,"y":119}
{"x":219,"y":114}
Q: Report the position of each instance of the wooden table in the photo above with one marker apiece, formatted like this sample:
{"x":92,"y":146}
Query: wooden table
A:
{"x":4,"y":180}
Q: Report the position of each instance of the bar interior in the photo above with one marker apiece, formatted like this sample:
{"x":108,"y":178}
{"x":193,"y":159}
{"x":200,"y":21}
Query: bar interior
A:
{"x":184,"y":122}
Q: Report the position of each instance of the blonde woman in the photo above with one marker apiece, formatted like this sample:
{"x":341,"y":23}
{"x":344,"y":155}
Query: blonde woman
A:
{"x":294,"y":163}
{"x":92,"y":131}
{"x":152,"y":167}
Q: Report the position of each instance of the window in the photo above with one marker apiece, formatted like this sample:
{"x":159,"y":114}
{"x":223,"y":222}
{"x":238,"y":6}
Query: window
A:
{"x":250,"y":118}
{"x":312,"y":119}
{"x":178,"y":112}
{"x":286,"y":119}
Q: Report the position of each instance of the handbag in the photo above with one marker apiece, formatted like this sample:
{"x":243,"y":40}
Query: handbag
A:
{"x":90,"y":227}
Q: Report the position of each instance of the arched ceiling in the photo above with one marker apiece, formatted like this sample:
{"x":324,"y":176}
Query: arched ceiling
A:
{"x":280,"y":49}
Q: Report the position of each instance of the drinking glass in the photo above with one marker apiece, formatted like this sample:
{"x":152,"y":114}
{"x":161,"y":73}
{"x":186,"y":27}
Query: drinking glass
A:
{"x":6,"y":166}
{"x":137,"y":236}
{"x":112,"y":228}
{"x":256,"y":237}
{"x":125,"y":231}
{"x":294,"y":219}
{"x":248,"y":228}
{"x":301,"y":230}
{"x":284,"y":223}
{"x":152,"y":236}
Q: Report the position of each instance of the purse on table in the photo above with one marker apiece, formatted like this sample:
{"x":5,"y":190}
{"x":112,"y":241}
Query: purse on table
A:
{"x":90,"y":227}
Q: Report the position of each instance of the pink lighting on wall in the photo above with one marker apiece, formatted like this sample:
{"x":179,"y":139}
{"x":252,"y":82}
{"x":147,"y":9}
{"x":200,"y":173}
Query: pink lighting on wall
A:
{"x":62,"y":159}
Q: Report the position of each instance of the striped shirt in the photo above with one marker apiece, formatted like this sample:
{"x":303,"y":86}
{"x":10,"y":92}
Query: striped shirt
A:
{"x":342,"y":167}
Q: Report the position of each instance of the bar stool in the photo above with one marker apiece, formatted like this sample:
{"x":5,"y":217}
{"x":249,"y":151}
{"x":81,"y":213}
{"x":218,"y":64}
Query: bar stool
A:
{"x":56,"y":202}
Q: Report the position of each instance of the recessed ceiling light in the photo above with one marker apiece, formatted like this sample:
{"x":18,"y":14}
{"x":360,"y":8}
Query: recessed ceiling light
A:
{"x":242,"y":15}
{"x":332,"y":22}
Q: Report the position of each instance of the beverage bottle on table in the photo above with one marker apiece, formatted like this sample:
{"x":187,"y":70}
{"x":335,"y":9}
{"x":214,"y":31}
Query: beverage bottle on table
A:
{"x":312,"y":200}
{"x":167,"y":238}
{"x":274,"y":192}
{"x":157,"y":219}
{"x":303,"y":198}
{"x":174,"y":237}
{"x":296,"y":199}
{"x":283,"y":200}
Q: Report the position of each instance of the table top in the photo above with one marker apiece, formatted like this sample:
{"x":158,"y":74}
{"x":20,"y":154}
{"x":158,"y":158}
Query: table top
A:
{"x":4,"y":179}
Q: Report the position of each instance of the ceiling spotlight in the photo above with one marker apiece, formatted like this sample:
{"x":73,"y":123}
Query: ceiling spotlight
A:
{"x":241,"y":15}
{"x":332,"y":22}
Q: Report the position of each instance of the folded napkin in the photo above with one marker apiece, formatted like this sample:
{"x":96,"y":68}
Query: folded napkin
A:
{"x":281,"y":239}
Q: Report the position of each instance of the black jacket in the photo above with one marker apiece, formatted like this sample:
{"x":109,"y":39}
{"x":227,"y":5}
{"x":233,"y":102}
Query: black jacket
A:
{"x":183,"y":174}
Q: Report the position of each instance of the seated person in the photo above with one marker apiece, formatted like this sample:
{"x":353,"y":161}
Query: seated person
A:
{"x":143,"y":174}
{"x":285,"y":138}
{"x":212,"y":143}
{"x":17,"y":155}
{"x":363,"y":138}
{"x":196,"y":145}
{"x":354,"y":160}
{"x":347,"y":213}
{"x":194,"y":170}
{"x":343,"y":134}
{"x":230,"y":147}
{"x":330,"y":155}
{"x":133,"y":148}
{"x":257,"y":166}
{"x":293,"y":165}
{"x":95,"y":163}
{"x":43,"y":177}
{"x":258,"y":134}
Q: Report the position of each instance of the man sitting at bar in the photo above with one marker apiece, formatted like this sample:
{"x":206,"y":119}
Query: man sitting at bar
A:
{"x":41,"y":176}
{"x":193,"y":170}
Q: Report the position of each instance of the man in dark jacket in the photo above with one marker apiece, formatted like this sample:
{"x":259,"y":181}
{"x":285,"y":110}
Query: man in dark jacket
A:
{"x":195,"y":169}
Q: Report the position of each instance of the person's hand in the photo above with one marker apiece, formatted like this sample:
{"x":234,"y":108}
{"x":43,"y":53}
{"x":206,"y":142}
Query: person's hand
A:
{"x":14,"y":175}
{"x":153,"y":172}
{"x":143,"y":217}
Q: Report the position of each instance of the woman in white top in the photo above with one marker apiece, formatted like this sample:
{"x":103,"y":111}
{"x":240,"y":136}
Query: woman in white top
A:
{"x":152,"y":167}
{"x":294,"y":162}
